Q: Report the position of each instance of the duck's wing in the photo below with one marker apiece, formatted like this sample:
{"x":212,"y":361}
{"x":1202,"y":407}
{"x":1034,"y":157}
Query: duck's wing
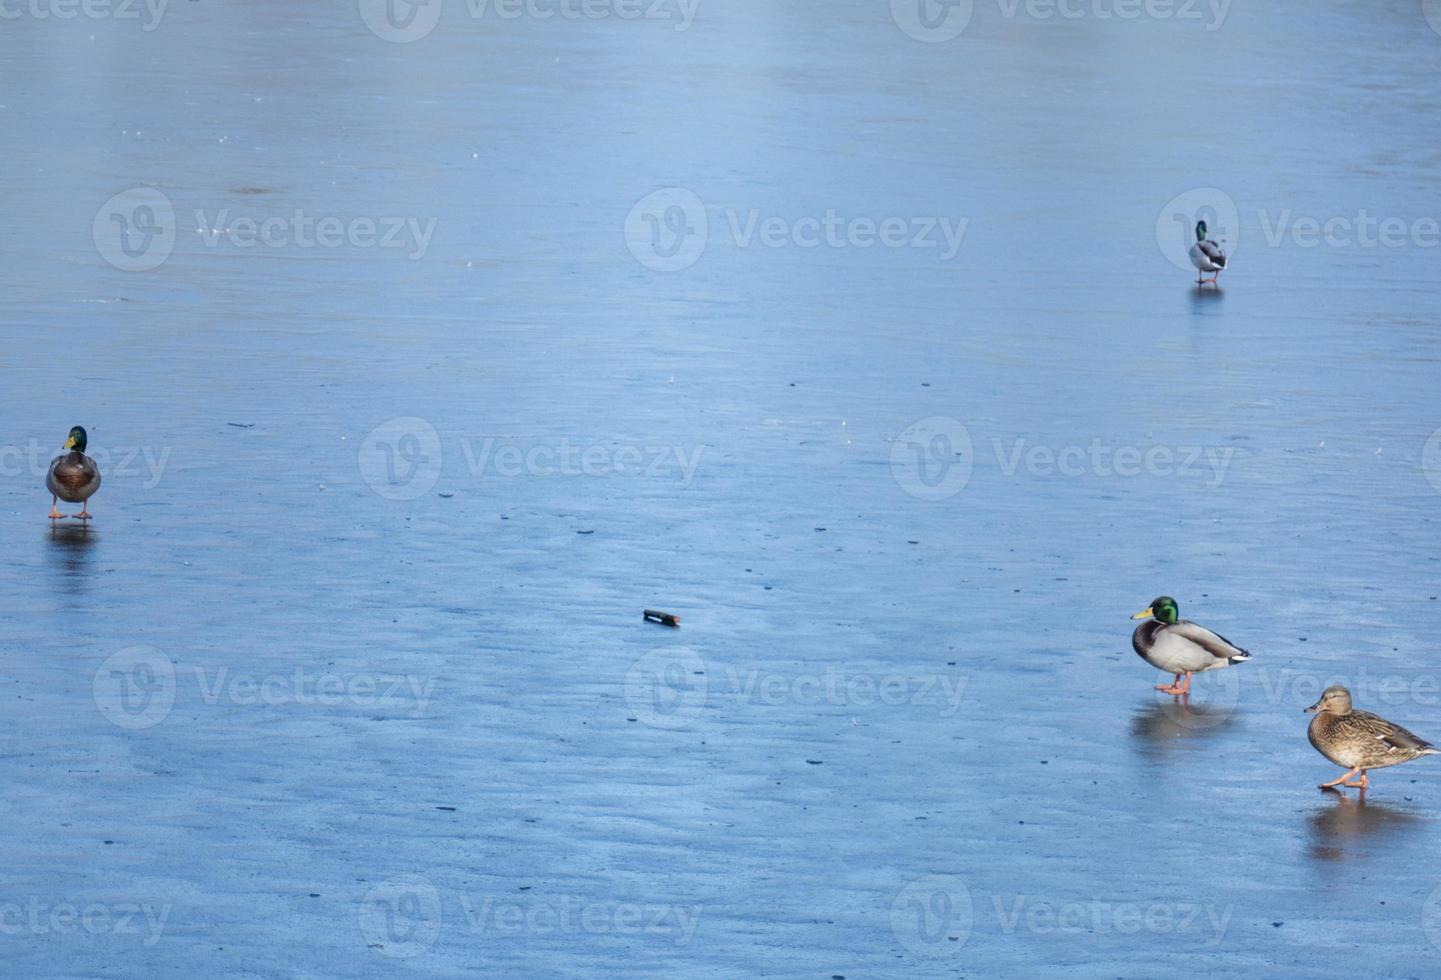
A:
{"x":1212,"y":251}
{"x":1393,"y":736}
{"x":1213,"y":643}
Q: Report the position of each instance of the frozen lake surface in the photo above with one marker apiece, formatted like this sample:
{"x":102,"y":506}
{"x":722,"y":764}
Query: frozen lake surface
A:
{"x":422,"y":356}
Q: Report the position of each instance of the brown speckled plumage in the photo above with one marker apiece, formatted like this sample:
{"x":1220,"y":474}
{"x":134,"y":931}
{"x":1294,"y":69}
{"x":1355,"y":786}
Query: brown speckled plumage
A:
{"x":73,"y":477}
{"x":1359,"y":739}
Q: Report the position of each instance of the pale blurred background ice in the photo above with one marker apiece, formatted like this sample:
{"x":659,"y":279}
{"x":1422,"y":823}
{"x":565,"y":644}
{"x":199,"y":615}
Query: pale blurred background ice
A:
{"x":904,"y":679}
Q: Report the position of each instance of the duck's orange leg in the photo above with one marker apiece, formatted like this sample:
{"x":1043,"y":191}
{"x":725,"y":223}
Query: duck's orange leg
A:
{"x":1176,"y":687}
{"x":84,"y":514}
{"x":1365,"y":782}
{"x":1342,"y":781}
{"x":55,"y":514}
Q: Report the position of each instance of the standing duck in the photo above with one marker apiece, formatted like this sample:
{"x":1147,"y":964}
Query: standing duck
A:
{"x":1169,"y":643}
{"x":73,"y":477}
{"x":1206,"y":256}
{"x":1359,"y":740}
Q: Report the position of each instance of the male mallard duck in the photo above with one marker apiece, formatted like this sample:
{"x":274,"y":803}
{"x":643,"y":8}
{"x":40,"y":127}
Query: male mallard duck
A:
{"x":1359,"y":740}
{"x":73,"y":477}
{"x":1206,"y":256}
{"x":1169,"y":643}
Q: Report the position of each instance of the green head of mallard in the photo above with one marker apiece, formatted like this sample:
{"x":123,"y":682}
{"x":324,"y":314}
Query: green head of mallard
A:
{"x":1162,"y":610}
{"x":77,"y":440}
{"x":1200,"y":231}
{"x":1334,"y":700}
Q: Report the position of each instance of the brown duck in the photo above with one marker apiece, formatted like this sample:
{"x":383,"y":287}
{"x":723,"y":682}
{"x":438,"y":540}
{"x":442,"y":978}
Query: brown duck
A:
{"x":1360,"y":740}
{"x":73,"y":477}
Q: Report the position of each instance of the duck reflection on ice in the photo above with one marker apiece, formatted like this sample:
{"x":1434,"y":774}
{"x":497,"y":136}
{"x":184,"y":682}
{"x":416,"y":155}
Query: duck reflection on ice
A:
{"x":1162,"y":723}
{"x":69,"y":553}
{"x":1205,"y":298}
{"x":1340,"y":820}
